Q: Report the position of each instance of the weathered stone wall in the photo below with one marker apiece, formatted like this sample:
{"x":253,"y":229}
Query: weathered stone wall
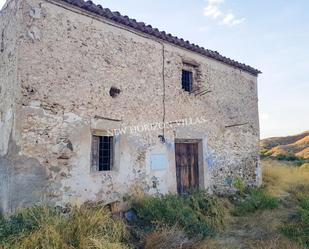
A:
{"x":8,"y":90}
{"x":8,"y":72}
{"x":68,"y":62}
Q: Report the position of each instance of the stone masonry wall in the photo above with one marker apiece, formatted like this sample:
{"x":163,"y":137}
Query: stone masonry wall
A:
{"x":68,"y":62}
{"x":8,"y":89}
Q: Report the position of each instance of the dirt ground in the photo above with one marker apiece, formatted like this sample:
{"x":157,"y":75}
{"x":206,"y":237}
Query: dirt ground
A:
{"x":261,"y":230}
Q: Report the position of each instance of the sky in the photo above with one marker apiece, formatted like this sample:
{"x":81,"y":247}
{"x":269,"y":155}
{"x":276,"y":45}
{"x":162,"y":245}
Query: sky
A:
{"x":272,"y":36}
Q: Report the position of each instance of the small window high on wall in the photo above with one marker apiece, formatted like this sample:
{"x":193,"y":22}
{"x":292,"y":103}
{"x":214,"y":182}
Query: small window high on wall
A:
{"x":102,"y":152}
{"x":187,"y":80}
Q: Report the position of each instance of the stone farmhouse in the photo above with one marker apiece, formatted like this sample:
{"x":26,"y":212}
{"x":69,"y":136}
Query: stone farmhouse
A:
{"x":95,"y":106}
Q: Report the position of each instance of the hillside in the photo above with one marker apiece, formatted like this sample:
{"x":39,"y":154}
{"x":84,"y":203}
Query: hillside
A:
{"x":290,"y":146}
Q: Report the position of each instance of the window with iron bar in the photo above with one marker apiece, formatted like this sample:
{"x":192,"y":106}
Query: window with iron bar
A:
{"x":102,"y":153}
{"x":187,"y":78}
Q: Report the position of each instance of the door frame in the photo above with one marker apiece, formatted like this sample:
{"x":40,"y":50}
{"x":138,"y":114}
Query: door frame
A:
{"x":201,"y":171}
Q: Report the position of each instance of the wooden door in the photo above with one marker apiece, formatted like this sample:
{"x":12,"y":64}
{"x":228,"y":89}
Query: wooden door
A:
{"x":187,"y":171}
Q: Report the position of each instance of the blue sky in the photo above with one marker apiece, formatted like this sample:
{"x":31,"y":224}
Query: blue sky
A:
{"x":272,"y":36}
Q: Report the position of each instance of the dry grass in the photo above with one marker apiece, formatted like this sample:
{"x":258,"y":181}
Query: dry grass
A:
{"x":175,"y":238}
{"x":166,"y":238}
{"x":260,"y":230}
{"x":208,"y":244}
{"x":305,"y":167}
{"x":280,"y":178}
{"x":47,"y":228}
{"x":276,"y":243}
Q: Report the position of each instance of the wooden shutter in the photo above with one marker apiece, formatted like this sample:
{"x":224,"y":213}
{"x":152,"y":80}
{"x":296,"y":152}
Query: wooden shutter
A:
{"x":95,"y":153}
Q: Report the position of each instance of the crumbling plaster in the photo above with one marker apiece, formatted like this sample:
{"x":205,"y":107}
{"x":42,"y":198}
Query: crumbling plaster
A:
{"x":67,"y":62}
{"x":8,"y":71}
{"x":9,"y":18}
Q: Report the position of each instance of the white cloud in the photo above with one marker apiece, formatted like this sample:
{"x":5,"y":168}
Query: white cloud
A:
{"x":230,"y":19}
{"x":204,"y":28}
{"x":213,"y":10}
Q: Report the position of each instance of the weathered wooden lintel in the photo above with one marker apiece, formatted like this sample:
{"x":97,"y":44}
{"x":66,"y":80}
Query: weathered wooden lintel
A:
{"x":110,"y":119}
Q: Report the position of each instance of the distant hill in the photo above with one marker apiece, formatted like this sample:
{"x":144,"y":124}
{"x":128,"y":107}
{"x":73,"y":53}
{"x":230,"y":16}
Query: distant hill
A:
{"x":290,"y":146}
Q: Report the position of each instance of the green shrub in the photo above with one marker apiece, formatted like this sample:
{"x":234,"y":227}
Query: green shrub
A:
{"x":298,"y":226}
{"x":240,"y":185}
{"x":287,"y":158}
{"x":3,"y":228}
{"x":48,"y":228}
{"x":197,"y":214}
{"x":291,"y":158}
{"x":297,"y":161}
{"x":264,"y":151}
{"x":257,"y":199}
